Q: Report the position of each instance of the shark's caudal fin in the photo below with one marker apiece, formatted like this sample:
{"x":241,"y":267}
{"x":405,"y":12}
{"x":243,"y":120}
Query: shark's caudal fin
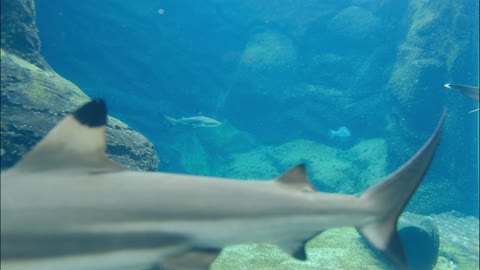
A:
{"x":77,"y":142}
{"x":390,"y":196}
{"x":172,"y":120}
{"x":330,"y":134}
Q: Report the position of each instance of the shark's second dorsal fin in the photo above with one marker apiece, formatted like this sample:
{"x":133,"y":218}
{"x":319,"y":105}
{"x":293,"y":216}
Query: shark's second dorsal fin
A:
{"x":296,"y":178}
{"x":77,"y":142}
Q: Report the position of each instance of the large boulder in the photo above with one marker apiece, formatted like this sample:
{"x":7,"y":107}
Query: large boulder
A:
{"x":20,"y":33}
{"x":34,"y":100}
{"x":268,"y":51}
{"x":355,"y":24}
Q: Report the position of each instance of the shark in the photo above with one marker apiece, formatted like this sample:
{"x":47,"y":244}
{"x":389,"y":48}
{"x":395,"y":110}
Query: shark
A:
{"x":66,"y":205}
{"x":195,"y":121}
{"x":469,"y":91}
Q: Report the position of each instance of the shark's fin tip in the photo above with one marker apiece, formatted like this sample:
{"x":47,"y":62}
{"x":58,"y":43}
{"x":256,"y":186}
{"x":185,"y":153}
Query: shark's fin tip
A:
{"x":92,"y":114}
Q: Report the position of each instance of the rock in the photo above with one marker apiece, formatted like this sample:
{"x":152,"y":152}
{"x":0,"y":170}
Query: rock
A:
{"x":34,"y":100}
{"x":268,"y":51}
{"x":190,"y":148}
{"x":434,"y":50}
{"x":20,"y":33}
{"x":355,"y":24}
{"x":330,"y":169}
{"x":263,"y":79}
{"x":421,"y":243}
{"x":344,"y":248}
{"x":459,"y":243}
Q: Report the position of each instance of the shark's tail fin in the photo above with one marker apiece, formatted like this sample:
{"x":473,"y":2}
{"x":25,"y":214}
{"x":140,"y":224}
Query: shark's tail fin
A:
{"x":389,"y":197}
{"x":330,"y":133}
{"x":172,"y":120}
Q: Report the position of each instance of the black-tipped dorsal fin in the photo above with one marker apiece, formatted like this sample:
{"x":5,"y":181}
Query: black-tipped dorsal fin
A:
{"x":296,"y":178}
{"x":76,"y":142}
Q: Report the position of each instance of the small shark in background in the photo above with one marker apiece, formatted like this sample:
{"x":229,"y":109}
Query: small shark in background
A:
{"x":195,"y":121}
{"x":65,"y":205}
{"x":469,"y":91}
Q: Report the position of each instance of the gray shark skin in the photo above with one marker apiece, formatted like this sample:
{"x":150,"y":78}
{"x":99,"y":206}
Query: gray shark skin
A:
{"x":194,"y":121}
{"x":65,"y":205}
{"x":469,"y":91}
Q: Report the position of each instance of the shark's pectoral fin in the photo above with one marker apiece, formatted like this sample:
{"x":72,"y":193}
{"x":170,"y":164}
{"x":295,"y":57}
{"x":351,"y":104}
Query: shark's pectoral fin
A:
{"x":296,"y":178}
{"x":296,"y":249}
{"x":77,"y":142}
{"x":194,"y":259}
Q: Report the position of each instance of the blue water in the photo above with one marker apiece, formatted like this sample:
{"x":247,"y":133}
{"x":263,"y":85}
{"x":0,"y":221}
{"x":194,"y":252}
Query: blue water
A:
{"x":279,"y":71}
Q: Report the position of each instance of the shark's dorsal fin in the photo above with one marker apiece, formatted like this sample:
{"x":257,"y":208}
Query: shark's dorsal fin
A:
{"x":77,"y":142}
{"x":296,"y":178}
{"x":200,"y":114}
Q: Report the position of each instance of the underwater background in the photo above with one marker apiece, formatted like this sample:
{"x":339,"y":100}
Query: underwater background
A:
{"x":278,"y":75}
{"x":285,"y":78}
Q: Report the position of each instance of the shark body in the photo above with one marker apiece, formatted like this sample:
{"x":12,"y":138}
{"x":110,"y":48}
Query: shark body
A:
{"x":194,"y":121}
{"x":65,"y":205}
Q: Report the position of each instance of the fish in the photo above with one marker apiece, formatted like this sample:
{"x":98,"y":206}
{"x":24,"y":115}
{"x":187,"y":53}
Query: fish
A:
{"x":195,"y":121}
{"x":469,"y":91}
{"x":66,"y":205}
{"x":341,"y":133}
